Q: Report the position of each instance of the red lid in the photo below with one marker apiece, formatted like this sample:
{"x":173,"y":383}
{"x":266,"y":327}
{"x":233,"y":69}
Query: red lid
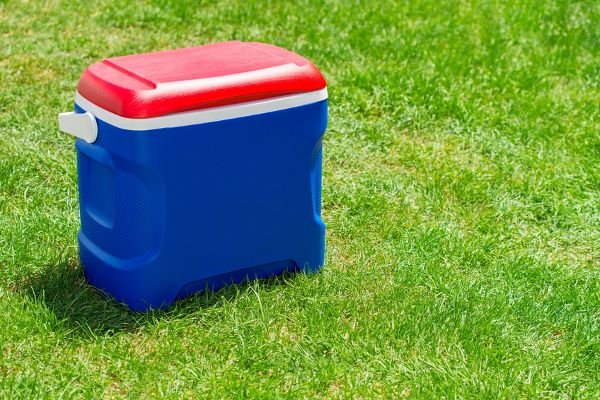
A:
{"x":166,"y":82}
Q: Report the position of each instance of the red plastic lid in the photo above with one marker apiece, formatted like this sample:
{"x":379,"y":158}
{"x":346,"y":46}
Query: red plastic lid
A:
{"x":166,"y":82}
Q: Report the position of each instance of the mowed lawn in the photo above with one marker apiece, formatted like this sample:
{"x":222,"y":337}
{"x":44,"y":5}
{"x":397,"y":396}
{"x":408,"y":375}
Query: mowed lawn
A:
{"x":461,"y":196}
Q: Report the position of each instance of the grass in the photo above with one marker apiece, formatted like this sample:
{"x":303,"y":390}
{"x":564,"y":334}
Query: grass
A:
{"x":461,"y":195}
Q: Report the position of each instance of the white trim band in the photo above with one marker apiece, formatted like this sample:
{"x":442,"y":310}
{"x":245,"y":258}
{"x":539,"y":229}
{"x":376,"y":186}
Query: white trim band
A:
{"x":201,"y":116}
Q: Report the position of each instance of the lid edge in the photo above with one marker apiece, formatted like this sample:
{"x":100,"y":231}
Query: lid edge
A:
{"x":205,"y":115}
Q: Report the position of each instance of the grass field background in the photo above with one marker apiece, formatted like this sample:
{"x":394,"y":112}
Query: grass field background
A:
{"x":461,"y":196}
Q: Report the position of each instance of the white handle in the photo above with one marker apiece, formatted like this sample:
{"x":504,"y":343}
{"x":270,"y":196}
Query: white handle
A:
{"x":80,"y":125}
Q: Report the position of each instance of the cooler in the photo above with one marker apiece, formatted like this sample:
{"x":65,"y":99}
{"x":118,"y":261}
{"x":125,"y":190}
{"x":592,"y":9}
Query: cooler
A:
{"x":197,"y":168}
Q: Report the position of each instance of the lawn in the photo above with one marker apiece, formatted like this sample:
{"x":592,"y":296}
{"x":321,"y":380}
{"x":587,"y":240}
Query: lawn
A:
{"x":461,"y":196}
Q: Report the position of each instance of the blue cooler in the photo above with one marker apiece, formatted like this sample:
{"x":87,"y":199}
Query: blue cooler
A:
{"x":198,"y":168}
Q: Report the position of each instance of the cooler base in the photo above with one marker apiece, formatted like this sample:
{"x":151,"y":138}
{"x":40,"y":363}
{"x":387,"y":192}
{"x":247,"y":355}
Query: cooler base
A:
{"x":237,"y":277}
{"x":148,"y":286}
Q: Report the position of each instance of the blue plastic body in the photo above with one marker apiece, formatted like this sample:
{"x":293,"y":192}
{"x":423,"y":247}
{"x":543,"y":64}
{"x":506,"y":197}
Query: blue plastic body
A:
{"x":168,"y":212}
